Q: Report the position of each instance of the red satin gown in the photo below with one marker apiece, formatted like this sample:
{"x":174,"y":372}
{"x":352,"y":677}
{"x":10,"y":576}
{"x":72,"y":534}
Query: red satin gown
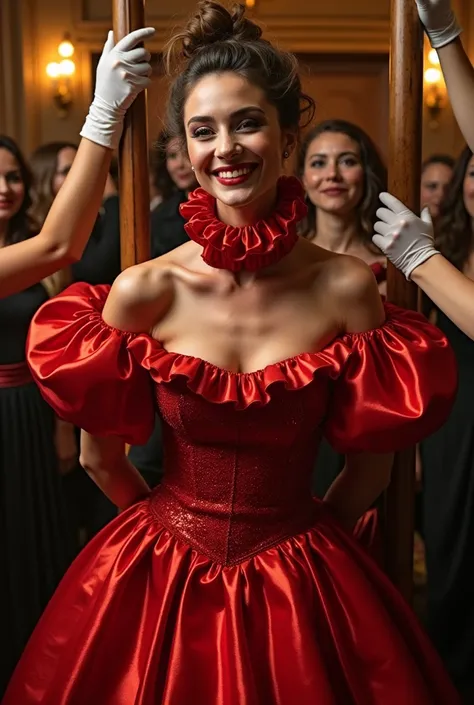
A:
{"x":229,"y":584}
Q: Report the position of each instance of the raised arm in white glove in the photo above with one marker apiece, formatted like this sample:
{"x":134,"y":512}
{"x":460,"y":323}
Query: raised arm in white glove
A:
{"x":404,"y":238}
{"x":439,"y":21}
{"x":407,"y":241}
{"x":122,"y":73}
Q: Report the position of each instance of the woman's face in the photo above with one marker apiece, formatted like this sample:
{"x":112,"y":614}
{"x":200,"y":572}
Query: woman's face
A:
{"x":64,"y":162}
{"x":468,"y":188}
{"x":12,"y":187}
{"x":333,"y":174}
{"x":434,"y":182}
{"x":236,"y":145}
{"x":179,"y":166}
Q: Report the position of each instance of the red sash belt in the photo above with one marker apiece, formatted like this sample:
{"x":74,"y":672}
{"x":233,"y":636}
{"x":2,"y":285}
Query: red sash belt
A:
{"x":14,"y":375}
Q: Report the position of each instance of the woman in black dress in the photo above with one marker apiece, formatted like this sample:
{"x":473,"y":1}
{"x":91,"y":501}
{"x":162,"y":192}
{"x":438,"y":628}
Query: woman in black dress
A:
{"x":35,"y":543}
{"x":448,"y":460}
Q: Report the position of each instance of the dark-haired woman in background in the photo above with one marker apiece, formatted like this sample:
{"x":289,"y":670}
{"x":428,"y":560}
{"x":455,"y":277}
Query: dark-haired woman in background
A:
{"x":436,"y":173}
{"x":343,"y":174}
{"x":176,"y":177}
{"x":36,"y":545}
{"x":448,"y":459}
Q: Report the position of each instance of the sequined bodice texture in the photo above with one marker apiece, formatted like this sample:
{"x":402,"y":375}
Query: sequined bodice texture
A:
{"x":237,"y":481}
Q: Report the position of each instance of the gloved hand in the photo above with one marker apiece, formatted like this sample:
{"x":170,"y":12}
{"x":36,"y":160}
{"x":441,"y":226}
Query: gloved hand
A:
{"x":439,"y":21}
{"x":404,"y":238}
{"x":122,"y":73}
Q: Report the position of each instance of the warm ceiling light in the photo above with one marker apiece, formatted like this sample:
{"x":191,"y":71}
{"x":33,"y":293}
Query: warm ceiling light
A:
{"x":67,"y":67}
{"x":432,"y":75}
{"x":66,"y":48}
{"x":53,"y":70}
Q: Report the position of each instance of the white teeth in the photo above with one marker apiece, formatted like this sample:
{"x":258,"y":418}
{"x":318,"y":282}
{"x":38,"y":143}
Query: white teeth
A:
{"x":233,"y":174}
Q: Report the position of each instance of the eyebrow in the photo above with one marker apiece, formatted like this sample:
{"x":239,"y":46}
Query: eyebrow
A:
{"x":342,"y":154}
{"x":236,"y":113}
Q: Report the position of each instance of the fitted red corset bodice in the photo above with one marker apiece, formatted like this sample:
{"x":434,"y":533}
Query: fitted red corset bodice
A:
{"x":236,"y":483}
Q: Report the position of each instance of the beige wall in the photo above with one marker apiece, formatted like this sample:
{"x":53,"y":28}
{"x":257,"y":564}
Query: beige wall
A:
{"x":26,"y":108}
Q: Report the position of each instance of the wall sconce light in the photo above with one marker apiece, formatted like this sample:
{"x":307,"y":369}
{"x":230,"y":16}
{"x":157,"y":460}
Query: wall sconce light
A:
{"x":434,"y":89}
{"x":60,"y":73}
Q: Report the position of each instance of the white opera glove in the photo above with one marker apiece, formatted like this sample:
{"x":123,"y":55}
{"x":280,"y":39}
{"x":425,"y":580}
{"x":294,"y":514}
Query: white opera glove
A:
{"x":122,"y":73}
{"x":439,"y":21}
{"x":404,"y":238}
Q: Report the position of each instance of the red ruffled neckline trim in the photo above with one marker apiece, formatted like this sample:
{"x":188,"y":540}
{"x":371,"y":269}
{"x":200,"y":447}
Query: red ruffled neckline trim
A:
{"x":251,"y":247}
{"x":243,"y":389}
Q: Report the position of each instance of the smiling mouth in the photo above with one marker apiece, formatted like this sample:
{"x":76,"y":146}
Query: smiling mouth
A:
{"x":231,"y":173}
{"x":334,"y":193}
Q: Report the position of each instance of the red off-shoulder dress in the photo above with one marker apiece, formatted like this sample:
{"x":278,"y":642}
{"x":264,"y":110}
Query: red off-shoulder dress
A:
{"x":230,"y":584}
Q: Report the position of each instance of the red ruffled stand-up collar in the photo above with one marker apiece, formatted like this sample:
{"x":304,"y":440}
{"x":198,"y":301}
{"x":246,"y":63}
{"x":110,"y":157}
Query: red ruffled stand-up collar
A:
{"x":251,"y":247}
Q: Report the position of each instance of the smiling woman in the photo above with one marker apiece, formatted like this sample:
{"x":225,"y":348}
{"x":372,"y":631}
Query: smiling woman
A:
{"x":343,"y":174}
{"x":228,"y":583}
{"x":239,"y":111}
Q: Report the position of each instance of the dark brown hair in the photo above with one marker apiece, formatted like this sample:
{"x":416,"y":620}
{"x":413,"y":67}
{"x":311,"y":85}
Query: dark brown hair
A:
{"x":44,"y":163}
{"x":375,"y":174}
{"x":24,"y":224}
{"x":21,"y":226}
{"x":216,"y":40}
{"x":163,"y":182}
{"x":454,"y":234}
{"x":444,"y":159}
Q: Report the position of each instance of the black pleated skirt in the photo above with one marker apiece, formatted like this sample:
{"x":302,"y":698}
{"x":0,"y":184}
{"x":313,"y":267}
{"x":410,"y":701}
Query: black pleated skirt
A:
{"x":36,"y":541}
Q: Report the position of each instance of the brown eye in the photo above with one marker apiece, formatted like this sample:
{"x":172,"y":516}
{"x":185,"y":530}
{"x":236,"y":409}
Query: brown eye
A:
{"x":202,"y":132}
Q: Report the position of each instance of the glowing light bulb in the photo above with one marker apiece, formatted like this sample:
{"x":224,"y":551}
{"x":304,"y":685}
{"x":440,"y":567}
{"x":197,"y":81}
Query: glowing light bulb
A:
{"x":53,"y":69}
{"x":67,"y":67}
{"x":433,"y":57}
{"x":432,"y":75}
{"x":66,"y":49}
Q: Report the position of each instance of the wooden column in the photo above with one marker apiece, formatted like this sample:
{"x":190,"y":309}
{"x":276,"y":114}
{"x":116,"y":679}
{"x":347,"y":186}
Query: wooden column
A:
{"x":405,"y":125}
{"x":133,"y":154}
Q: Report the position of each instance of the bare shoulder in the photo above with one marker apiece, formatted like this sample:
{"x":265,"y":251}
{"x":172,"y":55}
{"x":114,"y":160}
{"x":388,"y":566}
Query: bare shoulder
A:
{"x":140,"y":296}
{"x":353,"y":289}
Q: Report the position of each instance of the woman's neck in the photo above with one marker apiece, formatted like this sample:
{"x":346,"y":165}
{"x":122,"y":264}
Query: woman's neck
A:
{"x":337,"y":233}
{"x":249,"y":214}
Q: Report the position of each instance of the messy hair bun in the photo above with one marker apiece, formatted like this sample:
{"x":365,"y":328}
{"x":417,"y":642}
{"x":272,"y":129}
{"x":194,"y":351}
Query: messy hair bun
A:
{"x":214,"y":23}
{"x":217,"y":40}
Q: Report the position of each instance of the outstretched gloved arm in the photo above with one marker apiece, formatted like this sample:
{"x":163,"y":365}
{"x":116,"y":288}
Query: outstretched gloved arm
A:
{"x":407,"y":241}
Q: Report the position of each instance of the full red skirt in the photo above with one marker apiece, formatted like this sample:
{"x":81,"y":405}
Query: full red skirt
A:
{"x":141,"y":618}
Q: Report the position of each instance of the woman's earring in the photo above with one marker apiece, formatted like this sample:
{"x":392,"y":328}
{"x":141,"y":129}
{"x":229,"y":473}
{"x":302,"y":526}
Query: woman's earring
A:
{"x":286,"y":154}
{"x":192,"y":168}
